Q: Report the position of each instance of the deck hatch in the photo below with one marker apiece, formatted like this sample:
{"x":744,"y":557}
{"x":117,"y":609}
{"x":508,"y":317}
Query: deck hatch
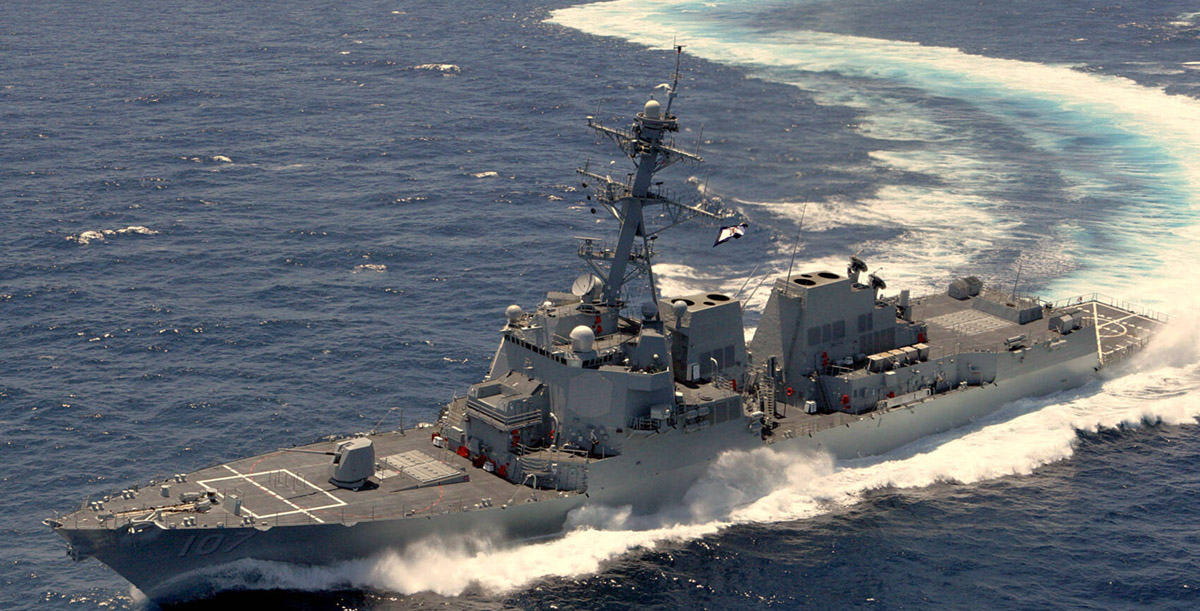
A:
{"x":970,"y":322}
{"x":420,"y":466}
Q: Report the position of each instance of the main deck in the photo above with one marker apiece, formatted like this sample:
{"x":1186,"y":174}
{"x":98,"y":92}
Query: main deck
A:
{"x":413,"y":478}
{"x":958,"y":326}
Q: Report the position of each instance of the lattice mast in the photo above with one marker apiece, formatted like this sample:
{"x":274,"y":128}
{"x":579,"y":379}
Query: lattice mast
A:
{"x":649,"y":143}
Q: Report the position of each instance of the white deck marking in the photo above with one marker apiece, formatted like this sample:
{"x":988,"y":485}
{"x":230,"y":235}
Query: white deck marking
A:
{"x":297,"y":509}
{"x":204,"y":483}
{"x":1113,"y":322}
{"x":1109,"y":334}
{"x":1135,"y":333}
{"x":272,"y":493}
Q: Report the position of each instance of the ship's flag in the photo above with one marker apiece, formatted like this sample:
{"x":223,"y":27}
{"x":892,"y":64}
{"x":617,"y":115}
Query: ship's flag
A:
{"x":730,"y":233}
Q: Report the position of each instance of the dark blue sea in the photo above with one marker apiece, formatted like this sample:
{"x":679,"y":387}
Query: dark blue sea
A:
{"x":235,"y":226}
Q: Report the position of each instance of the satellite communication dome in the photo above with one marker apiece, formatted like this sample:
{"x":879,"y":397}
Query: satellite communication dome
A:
{"x":652,"y":110}
{"x":649,"y":310}
{"x":514,"y":313}
{"x":679,"y":308}
{"x":582,"y":338}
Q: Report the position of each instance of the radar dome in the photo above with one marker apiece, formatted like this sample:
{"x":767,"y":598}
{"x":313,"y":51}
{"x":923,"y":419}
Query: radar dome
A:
{"x":679,"y":308}
{"x":652,"y":110}
{"x":649,"y":311}
{"x":582,"y":338}
{"x":514,"y":313}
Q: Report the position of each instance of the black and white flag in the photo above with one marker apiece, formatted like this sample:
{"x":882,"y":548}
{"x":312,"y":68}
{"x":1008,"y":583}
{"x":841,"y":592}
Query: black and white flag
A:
{"x":730,"y":233}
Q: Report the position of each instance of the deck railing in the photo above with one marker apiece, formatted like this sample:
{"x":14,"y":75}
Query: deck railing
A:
{"x":1121,"y":304}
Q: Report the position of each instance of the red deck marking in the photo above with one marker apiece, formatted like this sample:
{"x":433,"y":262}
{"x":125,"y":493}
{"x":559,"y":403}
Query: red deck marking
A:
{"x":441,"y":492}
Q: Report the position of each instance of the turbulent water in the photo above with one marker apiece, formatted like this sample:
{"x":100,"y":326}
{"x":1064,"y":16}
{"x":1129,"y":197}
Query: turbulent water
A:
{"x":236,"y":226}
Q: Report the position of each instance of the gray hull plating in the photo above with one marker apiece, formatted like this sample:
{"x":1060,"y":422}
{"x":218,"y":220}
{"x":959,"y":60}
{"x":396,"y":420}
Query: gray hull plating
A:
{"x":886,"y":431}
{"x":168,"y":563}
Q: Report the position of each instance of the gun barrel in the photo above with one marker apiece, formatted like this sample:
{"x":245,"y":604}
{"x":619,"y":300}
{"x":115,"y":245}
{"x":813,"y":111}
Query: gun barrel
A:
{"x":327,"y":453}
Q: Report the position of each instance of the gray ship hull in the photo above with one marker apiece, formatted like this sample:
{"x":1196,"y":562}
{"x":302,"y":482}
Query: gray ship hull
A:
{"x":170,"y":564}
{"x":882,"y":432}
{"x":656,"y":471}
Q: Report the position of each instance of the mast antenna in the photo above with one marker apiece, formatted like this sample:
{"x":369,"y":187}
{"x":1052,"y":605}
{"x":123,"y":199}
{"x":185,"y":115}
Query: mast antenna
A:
{"x":1020,"y":263}
{"x":795,"y":246}
{"x":746,"y":303}
{"x":675,"y":78}
{"x":748,"y":279}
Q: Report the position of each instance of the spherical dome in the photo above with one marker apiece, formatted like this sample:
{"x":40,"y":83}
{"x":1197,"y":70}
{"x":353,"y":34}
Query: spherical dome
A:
{"x":679,"y":308}
{"x":649,"y":311}
{"x":514,"y":313}
{"x":582,"y":338}
{"x":653,"y":110}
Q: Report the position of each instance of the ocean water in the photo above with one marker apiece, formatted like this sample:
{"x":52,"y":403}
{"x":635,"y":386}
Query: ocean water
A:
{"x":232,"y":227}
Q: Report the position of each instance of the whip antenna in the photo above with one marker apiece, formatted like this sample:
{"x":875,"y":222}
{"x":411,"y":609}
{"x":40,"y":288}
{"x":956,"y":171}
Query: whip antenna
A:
{"x":797,"y":244}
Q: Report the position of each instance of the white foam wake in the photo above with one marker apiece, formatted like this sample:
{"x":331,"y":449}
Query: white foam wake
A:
{"x":1151,"y":138}
{"x":946,"y":71}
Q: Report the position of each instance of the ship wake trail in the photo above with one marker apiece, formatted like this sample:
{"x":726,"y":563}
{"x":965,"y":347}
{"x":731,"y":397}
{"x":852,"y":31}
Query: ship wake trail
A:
{"x":1161,"y":385}
{"x":1109,"y":139}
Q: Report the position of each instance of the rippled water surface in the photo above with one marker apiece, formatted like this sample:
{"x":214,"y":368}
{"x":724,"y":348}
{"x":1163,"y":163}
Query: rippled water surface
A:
{"x":232,"y":227}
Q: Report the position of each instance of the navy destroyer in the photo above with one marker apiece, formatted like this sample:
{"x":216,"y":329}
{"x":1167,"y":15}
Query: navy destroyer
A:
{"x":592,"y":398}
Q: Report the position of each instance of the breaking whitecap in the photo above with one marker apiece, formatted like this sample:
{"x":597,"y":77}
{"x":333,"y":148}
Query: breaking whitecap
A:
{"x":370,"y":267}
{"x":102,"y":235}
{"x":447,"y":69}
